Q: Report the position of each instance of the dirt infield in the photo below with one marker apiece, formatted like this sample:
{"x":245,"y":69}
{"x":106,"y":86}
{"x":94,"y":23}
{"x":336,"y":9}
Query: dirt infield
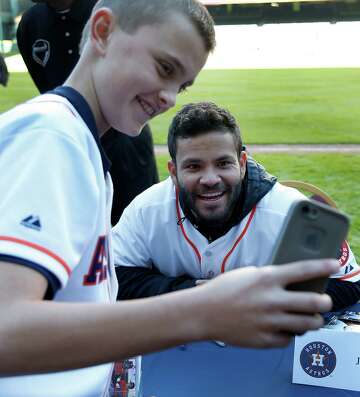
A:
{"x":304,"y":148}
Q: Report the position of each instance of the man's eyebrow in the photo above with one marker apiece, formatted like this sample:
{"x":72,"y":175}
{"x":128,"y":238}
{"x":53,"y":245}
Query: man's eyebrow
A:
{"x":190,"y":160}
{"x":225,"y":157}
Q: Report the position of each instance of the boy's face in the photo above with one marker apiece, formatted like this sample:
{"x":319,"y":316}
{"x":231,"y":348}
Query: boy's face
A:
{"x":140,"y":74}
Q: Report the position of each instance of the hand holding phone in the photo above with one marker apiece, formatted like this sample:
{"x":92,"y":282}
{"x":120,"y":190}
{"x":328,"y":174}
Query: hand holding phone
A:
{"x":311,"y":230}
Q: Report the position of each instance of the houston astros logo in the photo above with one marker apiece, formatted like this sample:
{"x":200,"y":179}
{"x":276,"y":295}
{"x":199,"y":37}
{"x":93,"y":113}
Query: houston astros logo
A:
{"x":318,"y":359}
{"x":41,"y":51}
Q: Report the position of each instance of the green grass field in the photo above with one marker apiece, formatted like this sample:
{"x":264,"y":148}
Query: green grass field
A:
{"x":19,"y":89}
{"x":275,"y":106}
{"x":271,"y":106}
{"x":336,"y":174}
{"x":281,"y":106}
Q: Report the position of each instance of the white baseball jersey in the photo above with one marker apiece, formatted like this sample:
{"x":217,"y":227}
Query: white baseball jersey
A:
{"x":151,"y":231}
{"x":55,"y":203}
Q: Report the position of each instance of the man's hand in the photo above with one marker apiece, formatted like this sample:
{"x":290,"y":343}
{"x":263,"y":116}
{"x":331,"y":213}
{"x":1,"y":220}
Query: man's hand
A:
{"x":251,"y":306}
{"x":4,"y":74}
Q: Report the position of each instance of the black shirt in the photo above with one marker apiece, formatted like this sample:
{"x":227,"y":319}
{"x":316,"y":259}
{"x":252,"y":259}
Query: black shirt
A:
{"x":49,"y":41}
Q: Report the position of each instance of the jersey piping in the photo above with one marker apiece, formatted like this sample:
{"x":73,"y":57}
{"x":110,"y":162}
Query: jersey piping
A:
{"x":193,"y":246}
{"x":180,"y":223}
{"x":252,"y":213}
{"x":350,"y":275}
{"x":38,"y":248}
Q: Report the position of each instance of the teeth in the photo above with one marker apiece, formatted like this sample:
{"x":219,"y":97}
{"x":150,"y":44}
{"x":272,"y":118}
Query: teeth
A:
{"x":146,"y":107}
{"x":211,"y":195}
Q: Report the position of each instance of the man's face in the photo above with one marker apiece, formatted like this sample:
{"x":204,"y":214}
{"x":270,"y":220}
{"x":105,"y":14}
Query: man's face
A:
{"x":208,"y":174}
{"x":140,"y":74}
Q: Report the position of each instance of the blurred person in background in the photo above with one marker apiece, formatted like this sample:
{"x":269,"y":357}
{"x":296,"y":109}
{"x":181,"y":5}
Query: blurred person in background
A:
{"x":4,"y":74}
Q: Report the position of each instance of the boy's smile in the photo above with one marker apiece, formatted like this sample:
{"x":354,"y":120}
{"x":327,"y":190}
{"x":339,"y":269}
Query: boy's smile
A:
{"x":146,"y":107}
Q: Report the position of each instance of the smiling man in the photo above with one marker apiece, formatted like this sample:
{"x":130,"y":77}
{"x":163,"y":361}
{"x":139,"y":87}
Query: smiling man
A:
{"x":208,"y":170}
{"x":218,"y":211}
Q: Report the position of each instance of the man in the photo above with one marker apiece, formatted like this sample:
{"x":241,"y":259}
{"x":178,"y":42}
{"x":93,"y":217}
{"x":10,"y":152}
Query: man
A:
{"x":4,"y":74}
{"x":58,"y":286}
{"x":48,"y":38}
{"x":220,"y":210}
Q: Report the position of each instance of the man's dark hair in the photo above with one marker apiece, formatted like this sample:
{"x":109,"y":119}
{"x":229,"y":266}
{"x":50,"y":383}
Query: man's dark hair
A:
{"x":202,"y":118}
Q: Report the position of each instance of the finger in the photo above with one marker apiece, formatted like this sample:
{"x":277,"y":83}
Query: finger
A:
{"x":305,"y":302}
{"x":298,"y":323}
{"x":304,"y":270}
{"x":273,"y":339}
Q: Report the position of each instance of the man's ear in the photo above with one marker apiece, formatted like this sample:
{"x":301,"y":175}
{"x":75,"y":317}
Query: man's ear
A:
{"x":243,"y":159}
{"x":103,"y":23}
{"x":172,"y":171}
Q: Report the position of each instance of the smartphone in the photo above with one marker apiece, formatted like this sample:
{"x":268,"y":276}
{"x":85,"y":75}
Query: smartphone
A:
{"x":311,"y":230}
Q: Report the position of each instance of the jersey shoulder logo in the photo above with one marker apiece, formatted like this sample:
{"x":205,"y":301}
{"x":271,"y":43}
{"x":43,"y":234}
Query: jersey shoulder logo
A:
{"x":32,"y":222}
{"x":41,"y":52}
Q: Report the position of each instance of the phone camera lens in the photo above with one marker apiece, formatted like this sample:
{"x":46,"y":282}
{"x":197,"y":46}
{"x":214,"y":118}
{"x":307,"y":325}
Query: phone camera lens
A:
{"x":311,"y":213}
{"x":305,"y":209}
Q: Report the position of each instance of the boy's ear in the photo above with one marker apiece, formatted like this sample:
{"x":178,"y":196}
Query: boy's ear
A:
{"x":102,"y":25}
{"x":172,"y":171}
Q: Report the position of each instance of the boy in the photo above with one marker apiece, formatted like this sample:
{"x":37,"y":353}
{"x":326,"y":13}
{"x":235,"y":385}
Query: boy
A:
{"x":57,"y":285}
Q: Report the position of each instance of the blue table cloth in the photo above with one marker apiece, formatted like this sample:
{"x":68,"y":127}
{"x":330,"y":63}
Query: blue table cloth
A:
{"x":207,"y":370}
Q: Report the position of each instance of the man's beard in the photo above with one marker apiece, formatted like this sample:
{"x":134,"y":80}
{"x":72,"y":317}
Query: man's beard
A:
{"x":216,"y":220}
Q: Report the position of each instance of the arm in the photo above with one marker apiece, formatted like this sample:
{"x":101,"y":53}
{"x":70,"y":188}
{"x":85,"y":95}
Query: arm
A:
{"x":344,"y":287}
{"x":343,"y":293}
{"x":144,"y":266}
{"x":253,"y":309}
{"x":140,"y":282}
{"x":32,"y":327}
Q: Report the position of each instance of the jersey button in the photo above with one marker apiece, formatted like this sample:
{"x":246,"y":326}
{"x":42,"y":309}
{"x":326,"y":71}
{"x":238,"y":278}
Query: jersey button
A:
{"x":70,"y":52}
{"x":67,"y":34}
{"x":208,"y":253}
{"x":211,"y":274}
{"x":63,"y":17}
